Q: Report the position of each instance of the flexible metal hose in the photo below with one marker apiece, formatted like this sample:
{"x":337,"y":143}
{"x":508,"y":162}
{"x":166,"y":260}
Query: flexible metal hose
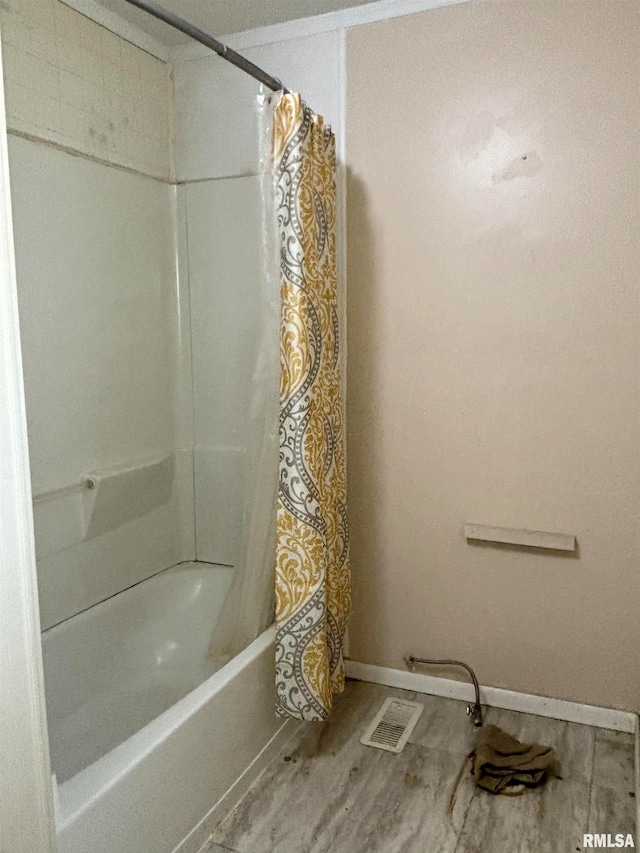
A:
{"x":475,"y":710}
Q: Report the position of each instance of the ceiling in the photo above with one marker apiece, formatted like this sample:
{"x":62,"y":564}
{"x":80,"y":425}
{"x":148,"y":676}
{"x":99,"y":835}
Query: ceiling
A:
{"x":221,"y":17}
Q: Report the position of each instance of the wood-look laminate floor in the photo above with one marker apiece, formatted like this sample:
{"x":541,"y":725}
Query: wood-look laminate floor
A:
{"x":326,"y":793}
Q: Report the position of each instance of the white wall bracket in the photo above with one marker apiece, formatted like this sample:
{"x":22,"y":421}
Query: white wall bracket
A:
{"x":518,"y":536}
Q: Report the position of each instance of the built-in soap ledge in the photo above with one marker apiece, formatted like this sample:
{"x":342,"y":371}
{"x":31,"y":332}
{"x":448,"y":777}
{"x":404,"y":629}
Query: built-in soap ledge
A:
{"x":116,"y":496}
{"x":103,"y":500}
{"x":518,"y":536}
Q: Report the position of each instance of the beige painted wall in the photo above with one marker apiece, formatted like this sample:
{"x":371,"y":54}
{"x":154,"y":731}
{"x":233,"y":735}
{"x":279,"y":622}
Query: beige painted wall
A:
{"x":493,"y":340}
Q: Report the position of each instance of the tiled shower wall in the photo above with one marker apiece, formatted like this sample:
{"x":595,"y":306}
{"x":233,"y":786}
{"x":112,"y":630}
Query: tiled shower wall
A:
{"x":70,"y":81}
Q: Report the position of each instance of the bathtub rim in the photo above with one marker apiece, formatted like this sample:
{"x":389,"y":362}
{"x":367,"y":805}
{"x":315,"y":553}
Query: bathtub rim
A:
{"x":86,"y":788}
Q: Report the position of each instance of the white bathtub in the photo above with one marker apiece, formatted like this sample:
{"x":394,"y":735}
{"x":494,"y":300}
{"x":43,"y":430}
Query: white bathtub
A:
{"x":147,"y":733}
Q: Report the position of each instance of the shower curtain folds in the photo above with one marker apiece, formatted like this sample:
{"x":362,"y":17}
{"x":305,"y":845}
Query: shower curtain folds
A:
{"x":313,"y":589}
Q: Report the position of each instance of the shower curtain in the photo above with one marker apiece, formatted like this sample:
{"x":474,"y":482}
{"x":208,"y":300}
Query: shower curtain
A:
{"x":313,"y":591}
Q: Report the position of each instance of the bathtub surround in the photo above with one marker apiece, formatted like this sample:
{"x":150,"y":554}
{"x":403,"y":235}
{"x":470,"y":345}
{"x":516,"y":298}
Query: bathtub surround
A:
{"x":313,"y":584}
{"x":125,"y":377}
{"x":218,"y":166}
{"x":223,"y":223}
{"x":101,"y":362}
{"x":251,"y":417}
{"x":88,"y":118}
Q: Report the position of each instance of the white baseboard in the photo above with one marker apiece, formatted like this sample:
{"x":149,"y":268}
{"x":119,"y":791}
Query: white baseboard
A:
{"x":199,"y":836}
{"x":495,"y":697}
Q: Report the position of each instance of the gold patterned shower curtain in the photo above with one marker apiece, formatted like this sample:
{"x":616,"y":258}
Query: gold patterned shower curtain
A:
{"x":313,"y":590}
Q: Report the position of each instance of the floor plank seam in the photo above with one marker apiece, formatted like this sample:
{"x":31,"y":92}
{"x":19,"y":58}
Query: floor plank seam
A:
{"x":592,"y":767}
{"x":464,"y":822}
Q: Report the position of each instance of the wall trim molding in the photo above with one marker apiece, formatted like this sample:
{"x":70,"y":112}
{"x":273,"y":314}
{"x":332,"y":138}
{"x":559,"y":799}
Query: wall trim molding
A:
{"x":26,"y":779}
{"x":344,"y":19}
{"x":496,"y":697}
{"x":121,"y":27}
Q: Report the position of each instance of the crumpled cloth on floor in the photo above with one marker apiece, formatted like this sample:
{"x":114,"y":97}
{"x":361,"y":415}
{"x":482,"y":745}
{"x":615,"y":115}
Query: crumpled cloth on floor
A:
{"x":503,"y":765}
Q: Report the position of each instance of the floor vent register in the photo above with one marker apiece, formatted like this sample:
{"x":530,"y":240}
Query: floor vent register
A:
{"x":392,"y":725}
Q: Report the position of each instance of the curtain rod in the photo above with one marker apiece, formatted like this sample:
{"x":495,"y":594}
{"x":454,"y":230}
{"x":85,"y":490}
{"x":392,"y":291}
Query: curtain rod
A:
{"x":155,"y":9}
